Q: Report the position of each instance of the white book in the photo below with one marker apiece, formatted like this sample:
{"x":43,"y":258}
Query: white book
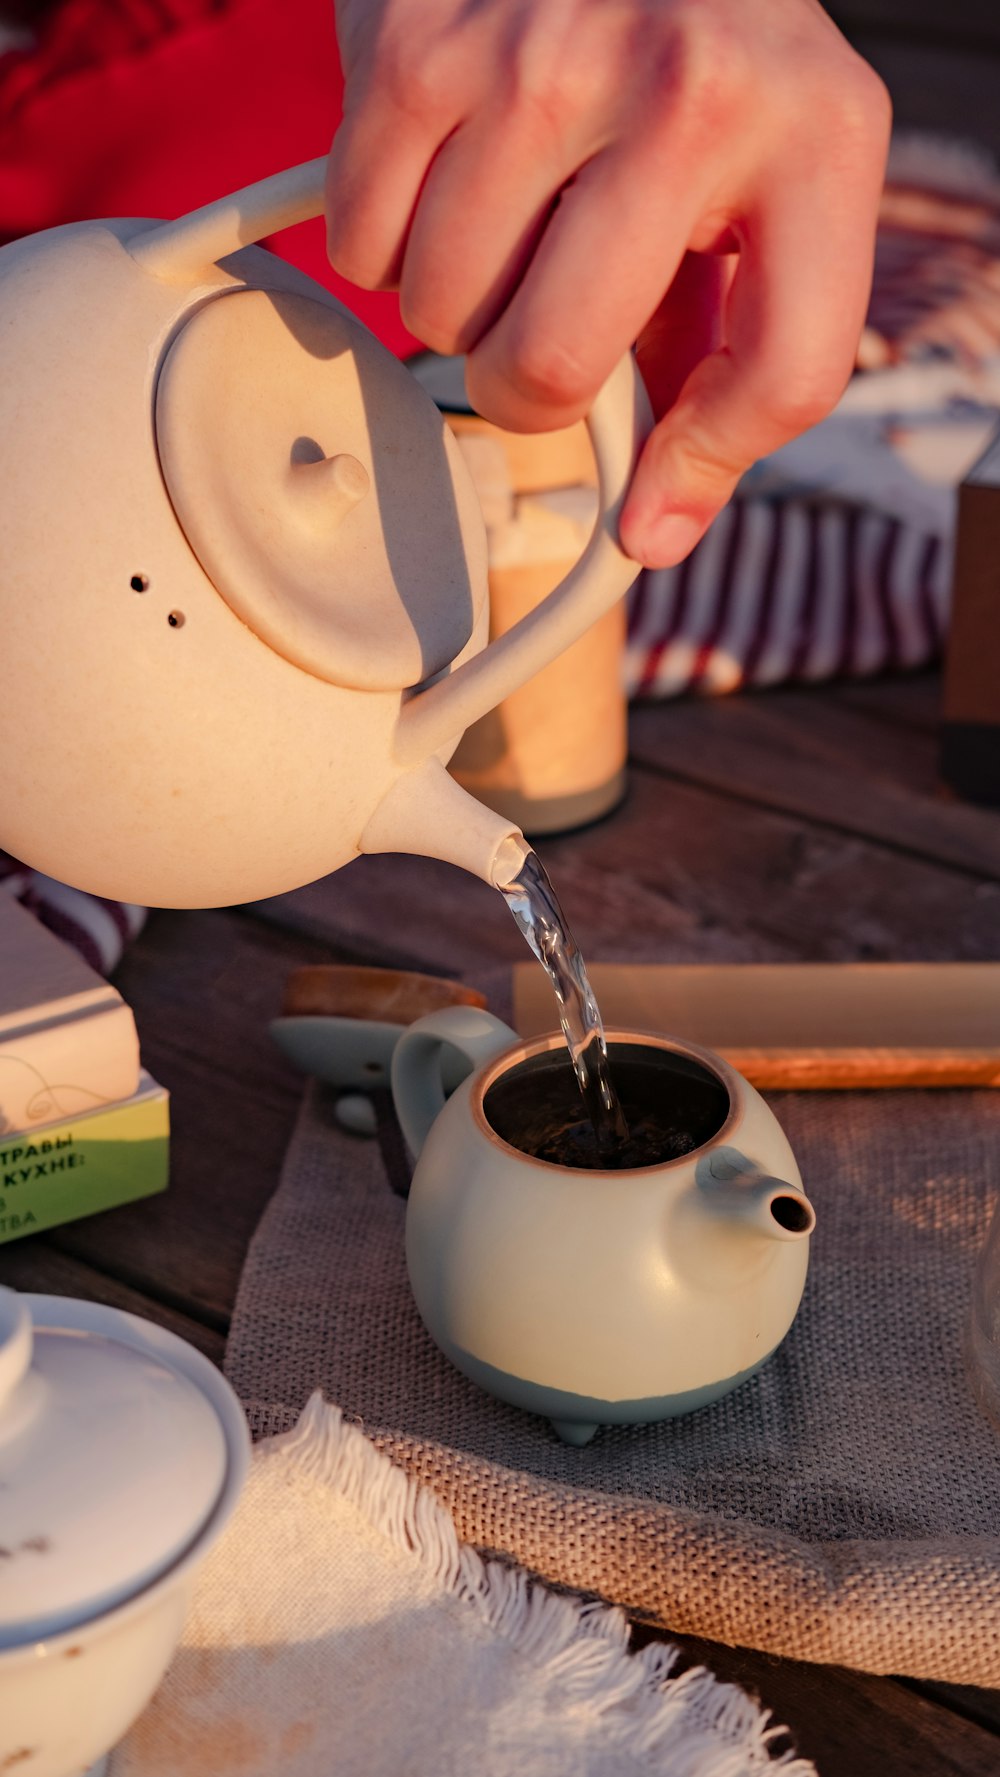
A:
{"x":68,"y":1042}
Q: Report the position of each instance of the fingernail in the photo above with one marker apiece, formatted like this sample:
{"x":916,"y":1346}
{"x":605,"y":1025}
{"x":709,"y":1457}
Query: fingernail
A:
{"x":665,"y":541}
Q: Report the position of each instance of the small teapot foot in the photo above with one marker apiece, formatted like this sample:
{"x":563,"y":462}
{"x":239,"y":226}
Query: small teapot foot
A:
{"x":574,"y":1431}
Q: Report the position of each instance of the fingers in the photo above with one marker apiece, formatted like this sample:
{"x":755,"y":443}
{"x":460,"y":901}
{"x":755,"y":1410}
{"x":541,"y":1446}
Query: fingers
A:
{"x":611,"y":247}
{"x":484,"y":206}
{"x":399,"y":108}
{"x":369,"y":204}
{"x":792,"y":321}
{"x":559,"y":250}
{"x":545,"y":180}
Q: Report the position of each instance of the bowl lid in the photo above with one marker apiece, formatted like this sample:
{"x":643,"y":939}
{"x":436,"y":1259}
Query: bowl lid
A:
{"x":111,"y":1461}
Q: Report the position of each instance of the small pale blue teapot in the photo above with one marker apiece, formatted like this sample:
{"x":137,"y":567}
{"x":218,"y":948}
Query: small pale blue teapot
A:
{"x":596,"y":1297}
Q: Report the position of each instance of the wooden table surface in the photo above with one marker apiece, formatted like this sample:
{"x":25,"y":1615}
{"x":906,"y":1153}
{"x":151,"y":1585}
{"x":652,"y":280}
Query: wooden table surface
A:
{"x":803,"y":824}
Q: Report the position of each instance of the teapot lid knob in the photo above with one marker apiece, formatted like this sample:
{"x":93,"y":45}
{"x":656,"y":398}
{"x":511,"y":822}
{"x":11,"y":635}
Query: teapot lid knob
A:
{"x":324,"y":489}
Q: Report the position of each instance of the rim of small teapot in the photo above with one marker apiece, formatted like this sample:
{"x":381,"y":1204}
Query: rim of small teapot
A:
{"x":525,"y":1048}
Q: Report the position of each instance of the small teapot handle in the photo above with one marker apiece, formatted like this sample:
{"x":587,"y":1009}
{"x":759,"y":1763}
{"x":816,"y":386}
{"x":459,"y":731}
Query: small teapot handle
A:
{"x":619,"y":422}
{"x":417,"y":1085}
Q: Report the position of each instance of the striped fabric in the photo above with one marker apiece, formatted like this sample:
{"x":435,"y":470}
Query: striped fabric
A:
{"x":786,"y":591}
{"x":99,"y":929}
{"x":834,"y":558}
{"x":937,"y":256}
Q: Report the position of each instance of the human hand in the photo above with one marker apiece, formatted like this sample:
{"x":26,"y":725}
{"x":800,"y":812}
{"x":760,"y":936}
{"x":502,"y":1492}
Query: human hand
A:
{"x":548,"y":182}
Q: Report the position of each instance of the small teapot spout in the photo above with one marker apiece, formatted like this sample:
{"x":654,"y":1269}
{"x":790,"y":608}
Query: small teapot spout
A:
{"x":740,"y":1193}
{"x":425,"y":812}
{"x":777,"y":1210}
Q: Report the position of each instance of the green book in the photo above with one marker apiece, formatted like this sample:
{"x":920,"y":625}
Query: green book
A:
{"x":86,"y":1163}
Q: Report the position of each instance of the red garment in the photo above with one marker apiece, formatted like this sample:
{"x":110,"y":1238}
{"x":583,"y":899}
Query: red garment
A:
{"x":152,"y":107}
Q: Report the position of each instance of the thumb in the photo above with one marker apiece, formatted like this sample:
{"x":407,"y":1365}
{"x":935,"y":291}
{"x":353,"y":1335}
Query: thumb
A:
{"x":685,"y":475}
{"x":793,"y":316}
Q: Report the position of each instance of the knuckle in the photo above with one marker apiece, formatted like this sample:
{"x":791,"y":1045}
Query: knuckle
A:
{"x":345,"y":251}
{"x":697,"y":459}
{"x":410,"y":78}
{"x":549,"y":87}
{"x":852,"y":109}
{"x":705,"y":463}
{"x":548,"y":374}
{"x":438,"y":332}
{"x":873,"y":103}
{"x":704,"y":66}
{"x":795,"y":403}
{"x":544,"y":113}
{"x":444,"y":319}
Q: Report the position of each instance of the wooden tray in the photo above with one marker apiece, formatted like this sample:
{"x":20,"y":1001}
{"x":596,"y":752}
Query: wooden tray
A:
{"x":808,"y":1025}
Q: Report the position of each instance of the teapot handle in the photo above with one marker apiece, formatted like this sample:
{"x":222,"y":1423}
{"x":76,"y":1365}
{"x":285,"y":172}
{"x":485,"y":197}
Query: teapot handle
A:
{"x":417,"y":1085}
{"x":189,"y":248}
{"x":619,"y":422}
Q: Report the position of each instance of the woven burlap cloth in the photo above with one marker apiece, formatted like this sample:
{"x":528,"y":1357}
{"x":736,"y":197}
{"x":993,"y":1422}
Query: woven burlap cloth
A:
{"x":843,"y":1505}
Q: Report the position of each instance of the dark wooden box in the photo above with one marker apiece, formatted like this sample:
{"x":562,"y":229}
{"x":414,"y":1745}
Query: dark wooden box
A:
{"x":970,"y":736}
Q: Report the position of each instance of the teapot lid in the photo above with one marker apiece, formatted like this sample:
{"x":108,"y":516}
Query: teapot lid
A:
{"x":320,"y":489}
{"x":111,"y":1461}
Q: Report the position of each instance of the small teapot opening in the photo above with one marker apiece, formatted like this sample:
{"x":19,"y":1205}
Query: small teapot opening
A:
{"x":672,"y":1106}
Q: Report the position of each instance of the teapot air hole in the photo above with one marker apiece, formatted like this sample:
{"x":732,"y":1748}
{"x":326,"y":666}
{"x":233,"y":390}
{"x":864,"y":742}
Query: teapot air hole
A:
{"x":672,"y":1104}
{"x":176,"y":619}
{"x":791,"y":1213}
{"x":139,"y":582}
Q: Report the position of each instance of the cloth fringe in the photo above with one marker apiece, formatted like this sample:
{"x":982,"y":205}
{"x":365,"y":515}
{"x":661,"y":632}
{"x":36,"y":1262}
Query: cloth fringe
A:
{"x":707,"y":1728}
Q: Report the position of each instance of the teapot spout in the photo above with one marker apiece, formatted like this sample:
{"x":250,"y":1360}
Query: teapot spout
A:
{"x":425,"y":812}
{"x":778,"y":1211}
{"x":739,"y":1193}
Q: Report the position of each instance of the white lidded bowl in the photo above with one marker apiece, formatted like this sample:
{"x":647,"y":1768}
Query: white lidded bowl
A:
{"x":122,"y":1455}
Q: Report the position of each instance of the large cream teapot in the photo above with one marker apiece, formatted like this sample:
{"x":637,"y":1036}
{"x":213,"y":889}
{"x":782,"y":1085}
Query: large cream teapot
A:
{"x":243,"y":600}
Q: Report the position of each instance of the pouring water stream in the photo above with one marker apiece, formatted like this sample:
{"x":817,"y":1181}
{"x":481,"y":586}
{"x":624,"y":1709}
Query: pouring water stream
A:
{"x":535,"y":906}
